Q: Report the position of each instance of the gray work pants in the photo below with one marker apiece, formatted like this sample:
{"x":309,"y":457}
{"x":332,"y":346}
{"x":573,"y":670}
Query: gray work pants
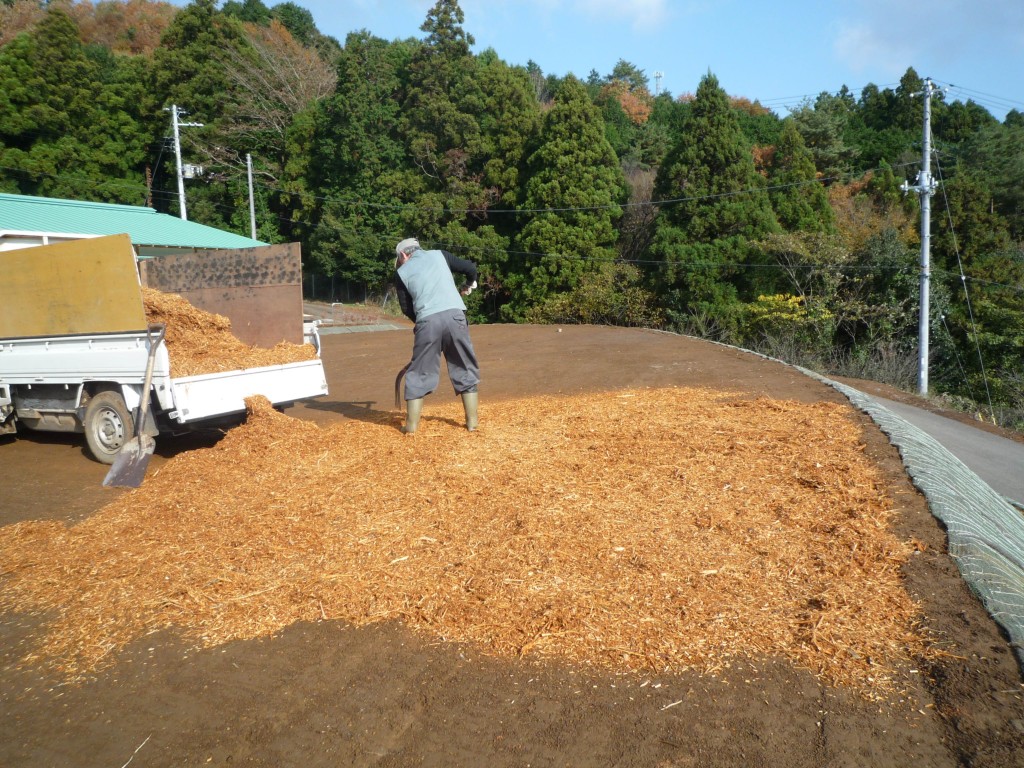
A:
{"x":444,"y":333}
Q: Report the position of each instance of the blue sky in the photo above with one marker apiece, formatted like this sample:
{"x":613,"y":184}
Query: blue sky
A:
{"x":776,"y":52}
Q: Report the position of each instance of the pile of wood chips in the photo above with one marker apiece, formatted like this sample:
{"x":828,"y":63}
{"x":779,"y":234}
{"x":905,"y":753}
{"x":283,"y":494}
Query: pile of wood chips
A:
{"x":665,"y":530}
{"x":201,"y":342}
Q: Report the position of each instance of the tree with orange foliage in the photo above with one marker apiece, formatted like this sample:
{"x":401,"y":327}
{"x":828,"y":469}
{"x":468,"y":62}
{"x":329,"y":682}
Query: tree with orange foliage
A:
{"x":752,"y":108}
{"x":17,"y":17}
{"x":273,"y":78}
{"x":637,"y":103}
{"x":123,"y":26}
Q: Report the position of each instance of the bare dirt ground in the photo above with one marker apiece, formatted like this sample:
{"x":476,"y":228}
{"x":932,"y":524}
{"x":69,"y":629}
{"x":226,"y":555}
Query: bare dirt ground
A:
{"x":329,"y":694}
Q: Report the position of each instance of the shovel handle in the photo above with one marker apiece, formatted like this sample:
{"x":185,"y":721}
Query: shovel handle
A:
{"x":147,"y":383}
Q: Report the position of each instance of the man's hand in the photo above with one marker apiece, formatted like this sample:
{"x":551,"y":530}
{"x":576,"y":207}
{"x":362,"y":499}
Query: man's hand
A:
{"x":468,"y":289}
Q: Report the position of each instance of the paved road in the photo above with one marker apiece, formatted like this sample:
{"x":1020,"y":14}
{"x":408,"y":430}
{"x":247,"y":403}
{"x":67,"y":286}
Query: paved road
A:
{"x":996,"y":460}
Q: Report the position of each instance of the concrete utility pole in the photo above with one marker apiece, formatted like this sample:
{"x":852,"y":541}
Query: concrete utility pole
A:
{"x":175,"y":124}
{"x":925,"y":188}
{"x":252,"y":204}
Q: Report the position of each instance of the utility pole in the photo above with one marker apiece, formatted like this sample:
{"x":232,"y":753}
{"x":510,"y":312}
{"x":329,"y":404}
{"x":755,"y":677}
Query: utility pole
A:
{"x":252,"y":204}
{"x":925,"y":188}
{"x":175,"y":124}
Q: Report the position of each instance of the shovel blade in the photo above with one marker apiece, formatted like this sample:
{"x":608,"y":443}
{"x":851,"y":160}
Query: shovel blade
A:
{"x":129,"y":467}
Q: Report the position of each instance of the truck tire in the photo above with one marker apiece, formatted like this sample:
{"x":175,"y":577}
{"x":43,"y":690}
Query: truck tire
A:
{"x":108,"y":426}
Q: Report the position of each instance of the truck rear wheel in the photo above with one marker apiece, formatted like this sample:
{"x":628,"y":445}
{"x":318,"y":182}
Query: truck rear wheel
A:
{"x":108,"y":426}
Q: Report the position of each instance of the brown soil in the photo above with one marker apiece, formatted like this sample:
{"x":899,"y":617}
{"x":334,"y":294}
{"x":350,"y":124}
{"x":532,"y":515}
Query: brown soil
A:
{"x":327,"y":693}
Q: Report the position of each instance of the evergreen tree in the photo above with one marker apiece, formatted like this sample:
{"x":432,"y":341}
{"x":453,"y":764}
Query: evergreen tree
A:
{"x":358,"y":165}
{"x":956,"y":123}
{"x":618,"y":129}
{"x":298,"y":21}
{"x":509,"y":121}
{"x":574,"y":174}
{"x":626,"y":105}
{"x":979,"y":231}
{"x":997,"y":153}
{"x":253,"y":11}
{"x":440,"y":124}
{"x":798,"y":198}
{"x":630,"y":74}
{"x":982,"y":271}
{"x":64,"y":132}
{"x":905,"y":112}
{"x":711,"y":168}
{"x":465,"y":122}
{"x":888,"y":127}
{"x":760,"y":125}
{"x":988,"y":336}
{"x":824,"y":126}
{"x":888,"y":195}
{"x":714,"y":206}
{"x":189,"y":64}
{"x":189,"y":71}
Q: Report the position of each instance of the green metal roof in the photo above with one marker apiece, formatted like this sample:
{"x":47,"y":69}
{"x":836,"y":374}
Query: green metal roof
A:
{"x":145,"y":226}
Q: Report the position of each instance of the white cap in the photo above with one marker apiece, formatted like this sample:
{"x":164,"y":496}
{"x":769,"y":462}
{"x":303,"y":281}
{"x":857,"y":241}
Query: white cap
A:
{"x":409,"y":244}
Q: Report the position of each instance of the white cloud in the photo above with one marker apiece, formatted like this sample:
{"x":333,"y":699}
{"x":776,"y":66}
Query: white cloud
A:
{"x":863,"y":48}
{"x":565,"y":16}
{"x":889,"y":35}
{"x":641,"y":13}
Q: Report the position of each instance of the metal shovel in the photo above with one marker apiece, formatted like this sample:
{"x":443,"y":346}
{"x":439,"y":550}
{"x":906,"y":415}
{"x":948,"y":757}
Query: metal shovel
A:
{"x":129,"y":467}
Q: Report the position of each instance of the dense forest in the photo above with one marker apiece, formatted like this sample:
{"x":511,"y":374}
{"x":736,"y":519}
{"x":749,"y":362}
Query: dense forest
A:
{"x":582,"y":200}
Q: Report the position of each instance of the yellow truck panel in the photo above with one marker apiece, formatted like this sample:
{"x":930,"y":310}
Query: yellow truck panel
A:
{"x":66,"y":289}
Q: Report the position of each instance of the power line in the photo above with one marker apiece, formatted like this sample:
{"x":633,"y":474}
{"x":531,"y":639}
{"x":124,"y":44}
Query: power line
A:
{"x":788,"y":102}
{"x":981,"y":97}
{"x":169,"y":195}
{"x":586,"y":208}
{"x":967,"y":296}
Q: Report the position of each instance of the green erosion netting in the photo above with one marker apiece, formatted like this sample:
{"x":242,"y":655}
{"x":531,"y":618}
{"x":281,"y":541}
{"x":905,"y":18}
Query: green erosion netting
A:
{"x":985,"y":531}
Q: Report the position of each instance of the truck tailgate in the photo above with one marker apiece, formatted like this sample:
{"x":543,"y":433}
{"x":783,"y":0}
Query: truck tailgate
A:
{"x":212,"y":395}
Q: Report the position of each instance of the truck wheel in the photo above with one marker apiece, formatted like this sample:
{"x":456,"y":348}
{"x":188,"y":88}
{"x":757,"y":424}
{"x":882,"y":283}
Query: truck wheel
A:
{"x":108,"y":426}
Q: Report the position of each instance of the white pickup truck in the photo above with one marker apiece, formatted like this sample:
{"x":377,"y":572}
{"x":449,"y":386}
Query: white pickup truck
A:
{"x":89,"y":377}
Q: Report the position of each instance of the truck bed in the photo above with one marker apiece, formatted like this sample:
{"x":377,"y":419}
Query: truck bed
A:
{"x":220,"y":394}
{"x":71,"y":359}
{"x":121,"y":358}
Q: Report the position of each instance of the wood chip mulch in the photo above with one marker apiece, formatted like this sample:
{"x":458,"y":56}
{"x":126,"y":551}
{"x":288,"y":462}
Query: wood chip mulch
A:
{"x":666,"y":530}
{"x":201,"y":342}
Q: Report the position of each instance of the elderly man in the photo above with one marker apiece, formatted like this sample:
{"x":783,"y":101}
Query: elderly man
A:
{"x":429,"y":297}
